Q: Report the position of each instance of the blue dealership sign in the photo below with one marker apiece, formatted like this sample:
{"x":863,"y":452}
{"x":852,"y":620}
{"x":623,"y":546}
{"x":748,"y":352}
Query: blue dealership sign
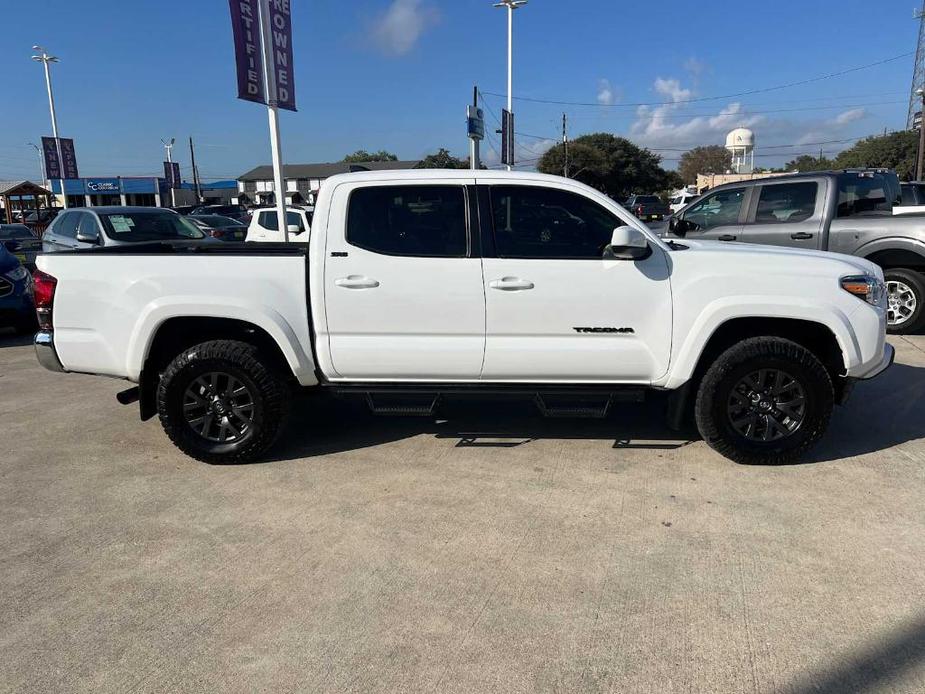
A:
{"x":96,"y":186}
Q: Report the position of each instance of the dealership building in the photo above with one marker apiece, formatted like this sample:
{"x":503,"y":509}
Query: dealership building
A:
{"x":119,"y":190}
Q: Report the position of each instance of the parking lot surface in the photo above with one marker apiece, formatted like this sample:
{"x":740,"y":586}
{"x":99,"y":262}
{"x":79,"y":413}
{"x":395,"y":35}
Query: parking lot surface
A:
{"x":490,"y":550}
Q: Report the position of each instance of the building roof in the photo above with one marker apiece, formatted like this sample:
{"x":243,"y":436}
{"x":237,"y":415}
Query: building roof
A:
{"x":291,"y":171}
{"x":21,"y":188}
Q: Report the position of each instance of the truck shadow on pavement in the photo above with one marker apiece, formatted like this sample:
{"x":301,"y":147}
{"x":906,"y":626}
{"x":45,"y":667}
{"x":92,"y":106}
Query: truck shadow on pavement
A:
{"x":882,"y":413}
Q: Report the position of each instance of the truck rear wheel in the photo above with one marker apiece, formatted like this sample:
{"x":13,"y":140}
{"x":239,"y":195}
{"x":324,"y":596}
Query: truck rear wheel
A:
{"x":764,"y":401}
{"x":906,"y":295}
{"x":219,"y":403}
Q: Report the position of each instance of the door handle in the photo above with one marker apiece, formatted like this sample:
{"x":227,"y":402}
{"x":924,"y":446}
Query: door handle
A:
{"x":511,"y":284}
{"x":727,"y":237}
{"x":356,"y":282}
{"x":801,"y":236}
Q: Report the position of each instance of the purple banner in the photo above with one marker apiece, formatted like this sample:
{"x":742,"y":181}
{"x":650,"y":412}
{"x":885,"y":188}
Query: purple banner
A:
{"x":281,"y":31}
{"x":50,"y":152}
{"x":247,"y":51}
{"x":172,"y":174}
{"x":68,"y":158}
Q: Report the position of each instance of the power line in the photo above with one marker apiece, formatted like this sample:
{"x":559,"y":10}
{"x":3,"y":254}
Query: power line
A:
{"x":811,"y":80}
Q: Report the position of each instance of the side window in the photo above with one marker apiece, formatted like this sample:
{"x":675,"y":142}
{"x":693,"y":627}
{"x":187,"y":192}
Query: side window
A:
{"x":532,"y":222}
{"x":427,"y":221}
{"x":862,"y":195}
{"x":87,"y":225}
{"x":719,"y":209}
{"x":270,"y":218}
{"x":66,"y":225}
{"x":786,"y":202}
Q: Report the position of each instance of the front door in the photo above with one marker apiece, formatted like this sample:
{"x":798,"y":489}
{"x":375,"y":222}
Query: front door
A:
{"x":403,"y":289}
{"x":556,"y":309}
{"x":717,"y":216}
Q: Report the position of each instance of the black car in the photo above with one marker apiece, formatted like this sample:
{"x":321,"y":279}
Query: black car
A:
{"x":238,"y":212}
{"x":219,"y":227}
{"x":185,"y":209}
{"x":19,"y":240}
{"x":17,"y":306}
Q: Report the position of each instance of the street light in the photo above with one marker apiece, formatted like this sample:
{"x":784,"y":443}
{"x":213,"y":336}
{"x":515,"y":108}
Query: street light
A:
{"x":168,"y":145}
{"x":45,"y":59}
{"x":38,"y":150}
{"x":511,"y":5}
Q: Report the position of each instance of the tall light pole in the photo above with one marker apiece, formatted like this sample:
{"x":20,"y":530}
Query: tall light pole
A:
{"x":511,"y":5}
{"x":45,"y":59}
{"x":168,"y":145}
{"x":38,"y":150}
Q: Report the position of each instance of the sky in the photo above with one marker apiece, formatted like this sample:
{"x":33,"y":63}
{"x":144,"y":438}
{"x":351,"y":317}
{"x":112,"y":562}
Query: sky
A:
{"x":398,"y":74}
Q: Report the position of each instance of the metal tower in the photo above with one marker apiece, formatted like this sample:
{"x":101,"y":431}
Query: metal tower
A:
{"x":918,"y":76}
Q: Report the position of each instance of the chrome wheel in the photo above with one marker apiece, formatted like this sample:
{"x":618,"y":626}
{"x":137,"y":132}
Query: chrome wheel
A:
{"x":766,"y":405}
{"x":902,"y":302}
{"x":219,"y":407}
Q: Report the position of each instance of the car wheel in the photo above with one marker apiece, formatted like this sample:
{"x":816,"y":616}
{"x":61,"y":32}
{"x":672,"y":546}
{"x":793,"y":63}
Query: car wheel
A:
{"x":764,"y":401}
{"x":906,"y":297}
{"x":220,"y":403}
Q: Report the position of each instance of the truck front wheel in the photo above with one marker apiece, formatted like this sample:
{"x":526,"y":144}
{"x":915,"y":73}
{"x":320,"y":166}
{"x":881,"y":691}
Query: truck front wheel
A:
{"x":906,"y":296}
{"x":219,"y":403}
{"x":764,"y":401}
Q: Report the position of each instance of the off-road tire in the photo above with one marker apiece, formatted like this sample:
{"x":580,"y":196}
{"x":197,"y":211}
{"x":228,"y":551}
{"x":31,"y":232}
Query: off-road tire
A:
{"x":267,"y":387}
{"x":916,"y":282}
{"x":711,"y":409}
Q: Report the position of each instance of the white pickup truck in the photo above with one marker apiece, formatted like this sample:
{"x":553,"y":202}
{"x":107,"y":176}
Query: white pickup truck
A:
{"x":421,"y":285}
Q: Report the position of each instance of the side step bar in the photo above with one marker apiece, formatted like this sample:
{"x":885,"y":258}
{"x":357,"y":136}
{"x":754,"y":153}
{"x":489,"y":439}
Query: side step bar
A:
{"x":403,"y":405}
{"x":579,"y":407}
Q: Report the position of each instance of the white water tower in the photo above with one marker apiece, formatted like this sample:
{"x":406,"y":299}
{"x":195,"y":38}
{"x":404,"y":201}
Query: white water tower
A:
{"x":741,"y":144}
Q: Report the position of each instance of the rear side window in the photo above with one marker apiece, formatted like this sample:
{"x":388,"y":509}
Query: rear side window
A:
{"x":66,"y":224}
{"x":863,"y":195}
{"x":786,"y":202}
{"x":270,"y":220}
{"x":425,"y":221}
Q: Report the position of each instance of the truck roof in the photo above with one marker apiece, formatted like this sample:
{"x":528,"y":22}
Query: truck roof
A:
{"x":431,"y":174}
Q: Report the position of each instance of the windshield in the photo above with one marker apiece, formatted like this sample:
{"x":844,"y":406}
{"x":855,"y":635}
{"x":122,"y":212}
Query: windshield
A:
{"x":148,"y":226}
{"x":15,"y":232}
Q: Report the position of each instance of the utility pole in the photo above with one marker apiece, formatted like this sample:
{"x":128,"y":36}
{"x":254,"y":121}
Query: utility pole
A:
{"x":192,"y":156}
{"x":475,"y":135}
{"x":168,"y":145}
{"x":565,"y":142}
{"x":45,"y":59}
{"x":511,"y":5}
{"x":918,"y":166}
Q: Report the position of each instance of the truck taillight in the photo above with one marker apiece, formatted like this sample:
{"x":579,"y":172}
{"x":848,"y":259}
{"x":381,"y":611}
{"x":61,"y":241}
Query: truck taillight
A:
{"x":44,"y":295}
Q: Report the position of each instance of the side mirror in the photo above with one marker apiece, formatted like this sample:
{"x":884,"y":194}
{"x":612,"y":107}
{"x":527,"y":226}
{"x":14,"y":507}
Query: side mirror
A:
{"x":678,"y":226}
{"x":84,"y":237}
{"x":628,"y":243}
{"x":293,"y":229}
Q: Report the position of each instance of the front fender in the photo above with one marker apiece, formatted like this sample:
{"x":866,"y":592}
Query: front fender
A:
{"x":892,"y":243}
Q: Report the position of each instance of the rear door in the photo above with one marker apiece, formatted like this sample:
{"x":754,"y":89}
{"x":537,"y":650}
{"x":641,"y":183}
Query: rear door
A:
{"x":403,"y":283}
{"x":62,"y":235}
{"x":790,"y":213}
{"x":718,"y":216}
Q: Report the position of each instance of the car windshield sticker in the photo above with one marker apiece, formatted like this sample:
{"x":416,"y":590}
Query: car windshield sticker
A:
{"x":120,"y":224}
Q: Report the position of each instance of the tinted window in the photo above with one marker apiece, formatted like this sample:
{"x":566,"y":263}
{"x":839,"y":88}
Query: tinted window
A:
{"x":409,"y":220}
{"x":66,"y":224}
{"x":859,"y":195}
{"x":269,"y":220}
{"x":787,"y":202}
{"x":149,"y":226}
{"x":647,"y":198}
{"x":546,"y":223}
{"x":719,"y":209}
{"x":15,"y":231}
{"x":87,"y":225}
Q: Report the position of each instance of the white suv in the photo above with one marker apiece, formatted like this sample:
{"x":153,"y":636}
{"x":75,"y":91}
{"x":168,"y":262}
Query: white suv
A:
{"x":264,"y":225}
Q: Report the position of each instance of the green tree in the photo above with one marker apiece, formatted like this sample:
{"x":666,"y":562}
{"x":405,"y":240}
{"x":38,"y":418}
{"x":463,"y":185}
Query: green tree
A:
{"x":896,"y":151}
{"x":612,"y":164}
{"x":442,"y":159}
{"x":361,"y":155}
{"x":807,"y":162}
{"x":712,"y":159}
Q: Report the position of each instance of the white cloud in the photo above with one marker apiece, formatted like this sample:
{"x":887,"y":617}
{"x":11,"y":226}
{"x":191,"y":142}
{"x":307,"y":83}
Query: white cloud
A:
{"x":695,"y":67}
{"x":849,"y":116}
{"x":606,"y":94}
{"x":398,"y":29}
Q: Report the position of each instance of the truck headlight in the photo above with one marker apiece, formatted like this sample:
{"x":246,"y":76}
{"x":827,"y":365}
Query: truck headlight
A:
{"x":17,"y":273}
{"x":866,"y":287}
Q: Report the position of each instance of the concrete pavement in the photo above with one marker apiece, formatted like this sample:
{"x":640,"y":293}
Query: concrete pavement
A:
{"x":488,"y":551}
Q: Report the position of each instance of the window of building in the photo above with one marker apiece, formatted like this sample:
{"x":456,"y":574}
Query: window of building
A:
{"x":425,"y":221}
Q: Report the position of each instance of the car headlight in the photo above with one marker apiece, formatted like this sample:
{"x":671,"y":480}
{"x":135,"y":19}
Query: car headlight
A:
{"x":17,"y":273}
{"x":866,"y":287}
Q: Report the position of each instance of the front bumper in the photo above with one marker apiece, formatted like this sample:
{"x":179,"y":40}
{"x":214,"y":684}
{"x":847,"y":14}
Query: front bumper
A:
{"x":889,"y":355}
{"x":45,"y":351}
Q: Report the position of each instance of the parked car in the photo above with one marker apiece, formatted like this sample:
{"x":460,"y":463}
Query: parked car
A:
{"x":239,"y":212}
{"x":185,"y":209}
{"x":681,"y":200}
{"x":17,"y":309}
{"x":841,"y":211}
{"x":264,"y":225}
{"x":41,"y":216}
{"x":89,"y":227}
{"x":222,"y":228}
{"x":647,"y":207}
{"x":422,"y":285}
{"x":913,"y":199}
{"x":21,"y":242}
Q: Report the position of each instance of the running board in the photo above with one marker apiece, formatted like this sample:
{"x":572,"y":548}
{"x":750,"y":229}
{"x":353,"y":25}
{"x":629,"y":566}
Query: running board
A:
{"x":403,"y":405}
{"x":578,"y":406}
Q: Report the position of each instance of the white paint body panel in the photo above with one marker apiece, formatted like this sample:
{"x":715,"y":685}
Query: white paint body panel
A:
{"x":438,"y":319}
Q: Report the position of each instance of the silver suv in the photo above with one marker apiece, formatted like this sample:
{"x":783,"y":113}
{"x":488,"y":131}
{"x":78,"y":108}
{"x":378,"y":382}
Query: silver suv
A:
{"x":89,"y":227}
